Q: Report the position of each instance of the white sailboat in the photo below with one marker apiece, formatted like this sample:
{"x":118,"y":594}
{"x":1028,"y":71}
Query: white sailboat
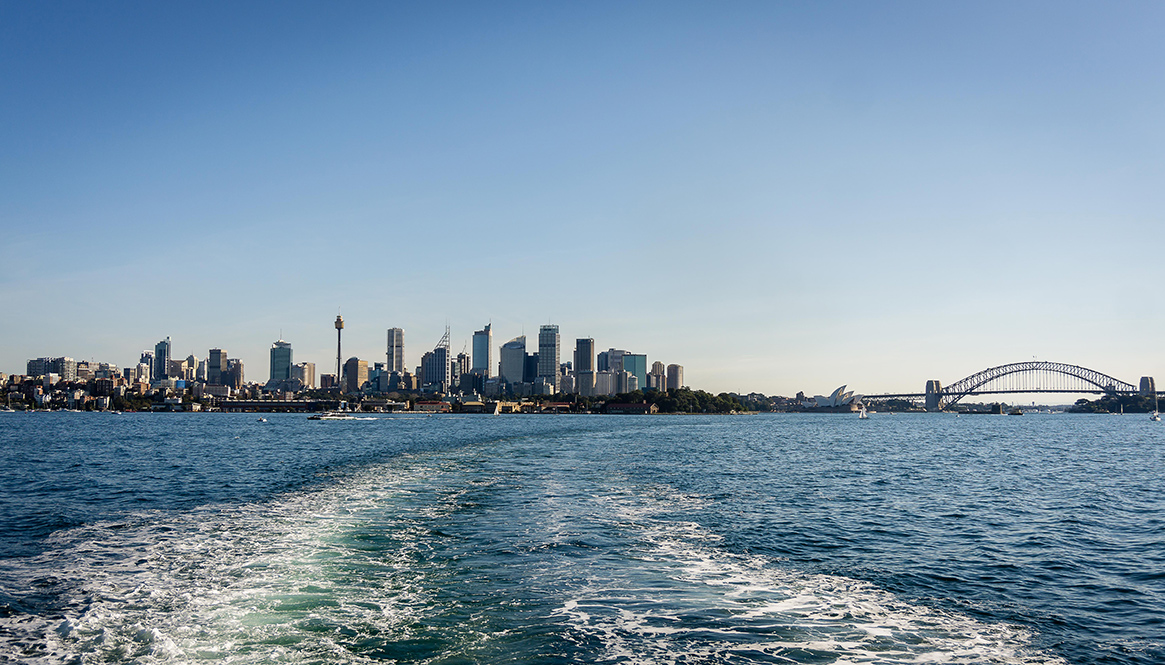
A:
{"x":1156,"y":415}
{"x":863,"y":414}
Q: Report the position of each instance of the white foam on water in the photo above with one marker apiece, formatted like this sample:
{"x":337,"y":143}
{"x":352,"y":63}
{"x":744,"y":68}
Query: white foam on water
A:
{"x":283,"y":582}
{"x":309,"y":576}
{"x":687,"y":600}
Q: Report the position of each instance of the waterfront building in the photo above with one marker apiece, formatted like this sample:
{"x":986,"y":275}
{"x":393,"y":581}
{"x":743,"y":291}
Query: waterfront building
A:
{"x":281,"y":361}
{"x":636,"y":365}
{"x":328,"y":381}
{"x":162,"y":359}
{"x":549,"y":349}
{"x":216,"y":367}
{"x":396,"y":350}
{"x":483,"y":341}
{"x":675,"y":377}
{"x":355,"y":375}
{"x":512,"y":366}
{"x":531,"y":371}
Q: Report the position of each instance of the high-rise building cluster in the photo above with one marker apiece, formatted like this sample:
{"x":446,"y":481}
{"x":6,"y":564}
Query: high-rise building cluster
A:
{"x":513,"y":371}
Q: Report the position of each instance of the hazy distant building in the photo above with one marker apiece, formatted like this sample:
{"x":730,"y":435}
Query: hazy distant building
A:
{"x":234,"y":377}
{"x":436,"y":370}
{"x":281,"y":360}
{"x":396,"y":350}
{"x":611,"y":360}
{"x":675,"y":377}
{"x":64,"y":367}
{"x":636,"y":365}
{"x":436,"y":366}
{"x":584,"y":366}
{"x":549,"y":350}
{"x":657,"y":377}
{"x":462,"y":366}
{"x":216,"y":367}
{"x":483,"y":341}
{"x":148,"y":360}
{"x":512,"y":366}
{"x":355,"y":375}
{"x":306,"y":373}
{"x":328,"y":381}
{"x":162,"y":360}
{"x":604,"y":383}
{"x":530,"y":372}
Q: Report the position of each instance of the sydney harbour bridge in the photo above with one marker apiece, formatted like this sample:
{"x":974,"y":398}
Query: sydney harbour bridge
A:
{"x":1025,"y":377}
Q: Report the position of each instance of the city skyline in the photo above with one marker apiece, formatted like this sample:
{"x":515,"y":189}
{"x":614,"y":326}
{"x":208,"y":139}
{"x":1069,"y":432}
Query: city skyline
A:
{"x":779,"y":197}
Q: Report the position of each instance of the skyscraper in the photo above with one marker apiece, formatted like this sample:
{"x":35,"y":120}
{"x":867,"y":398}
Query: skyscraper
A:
{"x":306,"y":373}
{"x":548,"y":354}
{"x":675,"y":377}
{"x":339,"y":331}
{"x":513,"y":360}
{"x":657,"y":377}
{"x":355,"y":375}
{"x":436,"y":367}
{"x":396,"y":350}
{"x":162,"y":359}
{"x":147,"y":359}
{"x":483,"y":342}
{"x":281,"y":360}
{"x":584,"y":366}
{"x":216,"y":367}
{"x":636,"y":365}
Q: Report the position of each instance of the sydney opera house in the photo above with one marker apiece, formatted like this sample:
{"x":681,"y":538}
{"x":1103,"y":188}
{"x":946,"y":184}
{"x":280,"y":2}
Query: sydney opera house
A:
{"x":839,"y":400}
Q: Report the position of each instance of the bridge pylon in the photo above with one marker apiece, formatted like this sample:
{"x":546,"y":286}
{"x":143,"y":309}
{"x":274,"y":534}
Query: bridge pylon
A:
{"x":934,"y":395}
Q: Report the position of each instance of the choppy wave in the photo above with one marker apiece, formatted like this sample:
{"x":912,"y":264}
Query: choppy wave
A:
{"x":434,"y":558}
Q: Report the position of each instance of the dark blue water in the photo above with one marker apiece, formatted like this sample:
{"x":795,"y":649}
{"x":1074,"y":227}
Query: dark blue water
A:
{"x":810,"y":539}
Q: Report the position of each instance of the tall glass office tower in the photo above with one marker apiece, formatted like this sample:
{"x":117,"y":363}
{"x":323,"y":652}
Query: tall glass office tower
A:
{"x":396,"y":350}
{"x":281,"y":361}
{"x":162,"y":359}
{"x":483,"y":342}
{"x":513,"y":362}
{"x":549,"y":348}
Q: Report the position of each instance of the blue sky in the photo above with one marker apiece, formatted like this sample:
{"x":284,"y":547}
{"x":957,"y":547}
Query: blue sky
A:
{"x":778,"y":196}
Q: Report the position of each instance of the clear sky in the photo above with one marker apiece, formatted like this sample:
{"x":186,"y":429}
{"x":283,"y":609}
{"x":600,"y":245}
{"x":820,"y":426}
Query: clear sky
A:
{"x":779,"y":196}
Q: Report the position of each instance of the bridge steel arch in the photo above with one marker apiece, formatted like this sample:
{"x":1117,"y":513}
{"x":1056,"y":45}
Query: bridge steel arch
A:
{"x":1074,"y":379}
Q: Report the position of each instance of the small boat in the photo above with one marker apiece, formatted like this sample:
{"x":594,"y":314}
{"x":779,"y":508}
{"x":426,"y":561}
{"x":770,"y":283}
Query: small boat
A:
{"x":863,"y":414}
{"x":1156,"y":415}
{"x":262,"y":419}
{"x":332,"y":415}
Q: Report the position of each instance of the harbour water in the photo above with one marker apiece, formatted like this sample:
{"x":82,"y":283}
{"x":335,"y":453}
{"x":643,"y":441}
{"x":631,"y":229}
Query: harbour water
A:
{"x":174,"y":538}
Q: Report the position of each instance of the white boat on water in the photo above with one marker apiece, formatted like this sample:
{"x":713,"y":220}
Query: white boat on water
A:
{"x":332,"y":415}
{"x":1156,"y":415}
{"x":863,"y":414}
